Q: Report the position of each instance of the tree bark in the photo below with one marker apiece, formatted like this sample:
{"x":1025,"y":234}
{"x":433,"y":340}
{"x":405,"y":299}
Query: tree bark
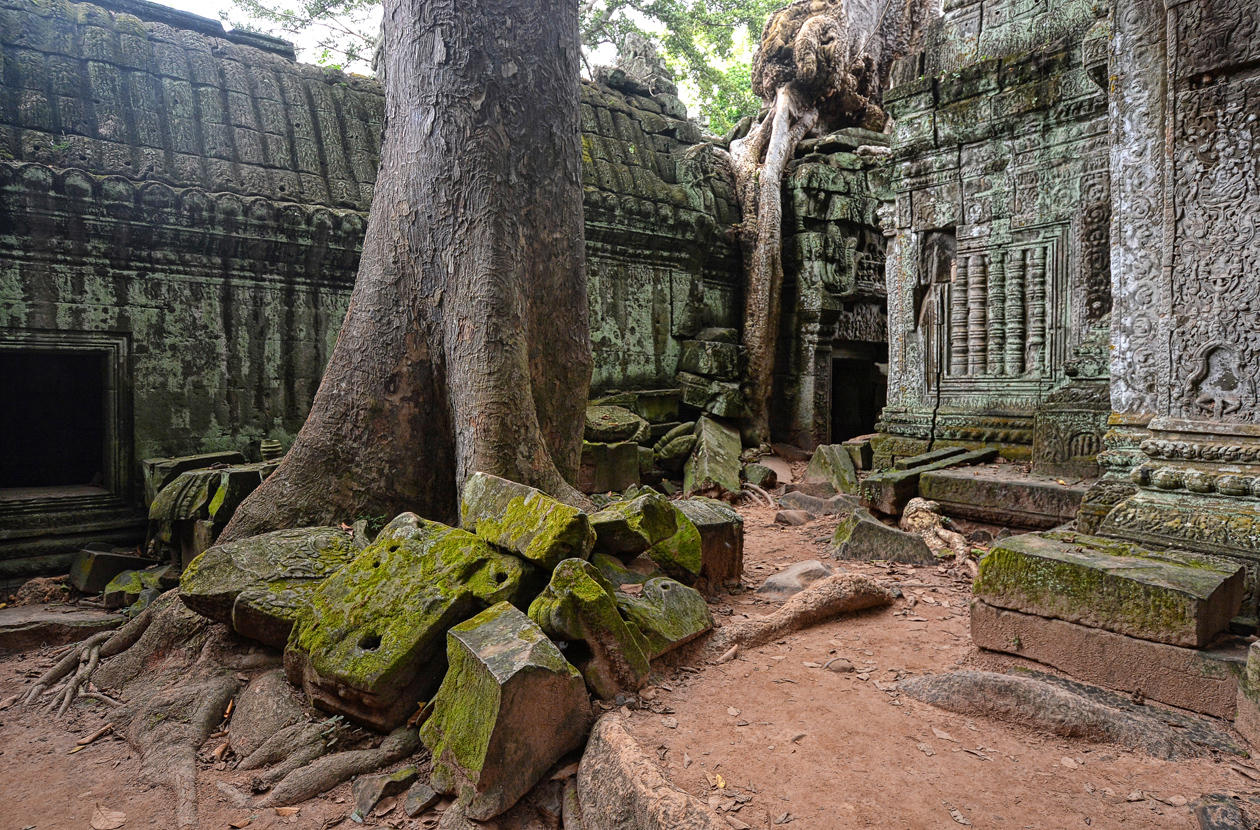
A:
{"x":466,"y":345}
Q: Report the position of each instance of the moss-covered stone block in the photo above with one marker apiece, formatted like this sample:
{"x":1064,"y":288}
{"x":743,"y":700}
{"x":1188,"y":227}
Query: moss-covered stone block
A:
{"x":127,"y":587}
{"x":258,"y":585}
{"x":862,"y":537}
{"x":721,"y":531}
{"x":667,"y":613}
{"x":722,"y":398}
{"x":832,"y":464}
{"x":580,"y":605}
{"x":709,"y":358}
{"x":611,"y":424}
{"x":525,"y":521}
{"x":509,"y":708}
{"x":629,"y":527}
{"x":714,"y":464}
{"x":619,"y":574}
{"x":681,"y":554}
{"x":889,"y":491}
{"x":1168,"y":598}
{"x":368,"y":645}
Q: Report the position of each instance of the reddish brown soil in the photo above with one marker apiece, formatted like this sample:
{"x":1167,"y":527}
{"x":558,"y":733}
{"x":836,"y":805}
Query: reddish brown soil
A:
{"x":829,"y":750}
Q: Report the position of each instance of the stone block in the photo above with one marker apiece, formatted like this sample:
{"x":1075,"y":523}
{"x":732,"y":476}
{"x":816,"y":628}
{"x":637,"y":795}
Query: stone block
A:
{"x":127,"y":587}
{"x":681,"y":554}
{"x":579,"y":604}
{"x":838,"y":505}
{"x":860,"y":451}
{"x":1120,"y":587}
{"x":929,"y":457}
{"x":714,"y":464}
{"x":159,"y":472}
{"x":721,"y":398}
{"x":93,"y":569}
{"x":608,"y":468}
{"x":629,"y":527}
{"x":524,"y":521}
{"x":612,"y":424}
{"x":1200,"y":680}
{"x":369,"y":644}
{"x":793,"y":579}
{"x":31,"y":626}
{"x":888,"y":491}
{"x":709,"y":358}
{"x":368,"y":790}
{"x":761,"y":475}
{"x":259,"y":584}
{"x":1010,"y":499}
{"x":864,"y":538}
{"x":832,"y":465}
{"x":793,"y":518}
{"x":509,"y":708}
{"x":721,"y":540}
{"x":667,"y":613}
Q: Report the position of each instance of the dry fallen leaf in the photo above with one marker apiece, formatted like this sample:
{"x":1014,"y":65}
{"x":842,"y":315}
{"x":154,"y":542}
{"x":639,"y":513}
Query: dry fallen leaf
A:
{"x":288,"y":811}
{"x":106,"y":819}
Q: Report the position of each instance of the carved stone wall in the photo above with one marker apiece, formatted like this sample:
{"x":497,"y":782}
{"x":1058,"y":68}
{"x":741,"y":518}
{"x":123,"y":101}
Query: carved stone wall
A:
{"x":998,"y":261}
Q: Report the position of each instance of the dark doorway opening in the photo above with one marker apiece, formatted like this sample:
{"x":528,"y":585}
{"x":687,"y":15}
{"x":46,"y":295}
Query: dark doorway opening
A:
{"x":52,"y":419}
{"x":859,"y":388}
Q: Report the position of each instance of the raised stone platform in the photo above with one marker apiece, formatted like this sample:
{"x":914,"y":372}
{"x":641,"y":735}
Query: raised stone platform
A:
{"x":889,"y":491}
{"x":1201,"y":680}
{"x":32,"y":626}
{"x":1166,"y":597}
{"x":1004,"y":496}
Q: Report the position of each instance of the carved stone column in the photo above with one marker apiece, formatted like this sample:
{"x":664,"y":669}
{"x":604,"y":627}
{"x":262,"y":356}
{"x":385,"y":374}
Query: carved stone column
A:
{"x":976,"y":314}
{"x":997,"y":314}
{"x":1014,"y":362}
{"x":958,"y":319}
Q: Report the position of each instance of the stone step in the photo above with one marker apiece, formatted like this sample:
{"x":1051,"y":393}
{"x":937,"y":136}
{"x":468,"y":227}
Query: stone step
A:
{"x":1003,"y":497}
{"x":888,"y":491}
{"x":930,"y":457}
{"x":31,"y":626}
{"x":1101,"y":583}
{"x":1200,"y":680}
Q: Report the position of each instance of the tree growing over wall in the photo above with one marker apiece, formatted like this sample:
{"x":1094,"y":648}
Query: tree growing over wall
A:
{"x":820,"y":65}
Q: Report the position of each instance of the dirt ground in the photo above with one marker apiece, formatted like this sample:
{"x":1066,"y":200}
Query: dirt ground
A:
{"x":771,"y":738}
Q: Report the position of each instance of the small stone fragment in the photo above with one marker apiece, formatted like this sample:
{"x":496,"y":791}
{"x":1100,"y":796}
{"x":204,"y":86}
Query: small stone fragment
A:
{"x":419,"y":798}
{"x":509,"y":708}
{"x":761,"y":475}
{"x":793,"y":579}
{"x":370,"y":790}
{"x":792,"y":518}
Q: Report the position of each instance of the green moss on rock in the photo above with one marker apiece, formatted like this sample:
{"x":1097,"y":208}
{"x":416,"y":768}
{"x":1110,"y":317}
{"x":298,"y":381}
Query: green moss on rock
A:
{"x":525,"y":521}
{"x":629,"y":527}
{"x":667,"y":613}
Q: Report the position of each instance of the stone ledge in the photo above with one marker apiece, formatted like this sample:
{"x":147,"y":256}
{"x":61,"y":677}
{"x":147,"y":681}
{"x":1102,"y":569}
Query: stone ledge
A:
{"x":1203,"y":681}
{"x":1013,"y":500}
{"x":30,"y":626}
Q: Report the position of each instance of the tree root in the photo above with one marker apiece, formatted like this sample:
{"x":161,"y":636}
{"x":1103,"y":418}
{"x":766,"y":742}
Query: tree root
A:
{"x":827,"y":598}
{"x":327,"y":772}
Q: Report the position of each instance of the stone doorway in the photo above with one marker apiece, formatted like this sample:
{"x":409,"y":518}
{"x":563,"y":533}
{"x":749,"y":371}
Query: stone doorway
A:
{"x":52,"y":423}
{"x":859,"y":388}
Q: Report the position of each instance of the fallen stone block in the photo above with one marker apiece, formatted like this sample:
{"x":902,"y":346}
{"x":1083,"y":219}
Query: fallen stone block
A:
{"x":369,"y":644}
{"x":680,"y":554}
{"x":420,"y":798}
{"x":93,"y":569}
{"x":926,"y":458}
{"x":864,"y":538}
{"x":618,"y":573}
{"x":714,"y":464}
{"x":667,"y":613}
{"x":761,"y":476}
{"x":621,"y":786}
{"x":614,"y":424}
{"x":608,"y":468}
{"x":793,"y":518}
{"x":629,"y":527}
{"x":524,"y":521}
{"x":259,"y":584}
{"x":710,"y":358}
{"x":31,"y":626}
{"x":832,"y":465}
{"x":579,"y":604}
{"x":722,"y":398}
{"x":860,"y":451}
{"x":1200,"y":680}
{"x":888,"y":491}
{"x":721,"y":541}
{"x":793,"y":579}
{"x":509,"y":708}
{"x":126,"y":588}
{"x":188,"y":514}
{"x":159,"y":472}
{"x":839,"y":505}
{"x":1117,"y":586}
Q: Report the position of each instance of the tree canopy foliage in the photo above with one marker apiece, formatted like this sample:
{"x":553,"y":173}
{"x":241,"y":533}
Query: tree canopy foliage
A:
{"x":706,"y":43}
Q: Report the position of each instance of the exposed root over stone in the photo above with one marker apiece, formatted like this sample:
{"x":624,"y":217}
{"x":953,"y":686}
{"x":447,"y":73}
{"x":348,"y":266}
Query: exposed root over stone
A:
{"x":325,"y":773}
{"x":1072,"y":710}
{"x":843,"y":593}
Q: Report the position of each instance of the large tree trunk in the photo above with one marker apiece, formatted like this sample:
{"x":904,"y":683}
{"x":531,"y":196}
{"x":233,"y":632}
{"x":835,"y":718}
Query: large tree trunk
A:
{"x":466,"y":345}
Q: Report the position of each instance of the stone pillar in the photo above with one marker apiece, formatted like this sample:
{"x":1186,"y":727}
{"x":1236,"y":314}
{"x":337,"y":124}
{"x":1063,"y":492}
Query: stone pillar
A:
{"x":977,"y":287}
{"x":1014,"y":362}
{"x":997,"y":314}
{"x":1036,"y":309}
{"x":958,"y":319}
